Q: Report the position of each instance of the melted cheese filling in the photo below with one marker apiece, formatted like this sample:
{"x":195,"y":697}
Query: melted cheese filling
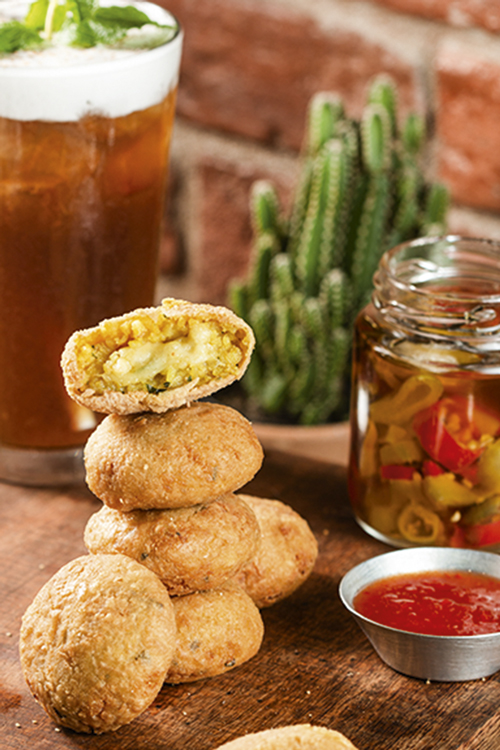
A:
{"x":161,"y":360}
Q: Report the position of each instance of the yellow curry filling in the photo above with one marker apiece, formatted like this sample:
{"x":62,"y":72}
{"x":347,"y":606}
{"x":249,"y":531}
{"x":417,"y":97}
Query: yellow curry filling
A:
{"x":157,"y":355}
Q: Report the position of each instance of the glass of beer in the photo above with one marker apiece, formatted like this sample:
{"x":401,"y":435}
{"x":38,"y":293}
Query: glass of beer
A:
{"x":84,"y":143}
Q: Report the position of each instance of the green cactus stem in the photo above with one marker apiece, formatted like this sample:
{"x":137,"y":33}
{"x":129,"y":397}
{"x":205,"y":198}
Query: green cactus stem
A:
{"x":361,"y":190}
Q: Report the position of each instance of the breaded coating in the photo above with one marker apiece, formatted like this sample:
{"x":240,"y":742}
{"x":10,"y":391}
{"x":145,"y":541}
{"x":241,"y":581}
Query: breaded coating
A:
{"x":190,"y":549}
{"x":217,"y":631}
{"x":294,"y":737}
{"x":156,"y":358}
{"x":189,"y":456}
{"x":286,"y":555}
{"x":97,"y":642}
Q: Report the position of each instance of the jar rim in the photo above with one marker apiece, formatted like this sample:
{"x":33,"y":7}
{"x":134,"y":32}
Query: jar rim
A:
{"x":449,"y":258}
{"x":446,"y":281}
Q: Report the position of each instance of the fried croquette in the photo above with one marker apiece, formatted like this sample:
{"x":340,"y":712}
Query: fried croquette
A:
{"x":97,"y":641}
{"x":190,"y":549}
{"x":188,"y":456}
{"x":286,"y":554}
{"x":294,"y":737}
{"x":157,"y":358}
{"x":217,"y":630}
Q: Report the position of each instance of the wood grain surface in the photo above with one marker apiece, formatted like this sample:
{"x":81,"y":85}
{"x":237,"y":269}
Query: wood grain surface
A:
{"x":314,"y":666}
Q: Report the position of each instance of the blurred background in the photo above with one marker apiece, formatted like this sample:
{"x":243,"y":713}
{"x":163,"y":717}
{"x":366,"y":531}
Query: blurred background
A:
{"x":248,"y":72}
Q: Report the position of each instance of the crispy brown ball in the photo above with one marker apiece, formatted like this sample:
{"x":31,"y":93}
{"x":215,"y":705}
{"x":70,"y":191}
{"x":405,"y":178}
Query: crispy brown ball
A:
{"x":184,"y":457}
{"x":217,"y":631}
{"x":190,"y":549}
{"x":286,"y":555}
{"x":97,"y":641}
{"x":294,"y":737}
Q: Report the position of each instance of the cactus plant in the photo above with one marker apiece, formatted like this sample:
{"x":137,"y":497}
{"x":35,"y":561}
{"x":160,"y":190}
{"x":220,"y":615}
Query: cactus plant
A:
{"x":361,"y":191}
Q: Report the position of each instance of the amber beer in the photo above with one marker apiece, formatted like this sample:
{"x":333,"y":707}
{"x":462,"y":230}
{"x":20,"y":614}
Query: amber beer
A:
{"x":83,"y":163}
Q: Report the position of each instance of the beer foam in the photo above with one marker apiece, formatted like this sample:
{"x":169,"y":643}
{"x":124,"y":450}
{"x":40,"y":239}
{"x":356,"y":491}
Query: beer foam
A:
{"x":61,"y":83}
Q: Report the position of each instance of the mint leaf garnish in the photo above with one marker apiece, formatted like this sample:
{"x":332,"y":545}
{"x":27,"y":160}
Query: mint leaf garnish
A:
{"x":86,"y":8}
{"x":121,"y":17}
{"x":35,"y":18}
{"x":85,"y":24}
{"x":89,"y":33}
{"x":63,"y":13}
{"x":15,"y":35}
{"x":147,"y":37}
{"x":85,"y":35}
{"x":141,"y":31}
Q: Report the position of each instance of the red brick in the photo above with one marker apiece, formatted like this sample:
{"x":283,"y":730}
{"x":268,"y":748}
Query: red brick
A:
{"x":468,"y":87}
{"x":470,"y":223}
{"x":225,"y":232}
{"x":224,"y":223}
{"x":482,"y":13}
{"x":251,"y":68}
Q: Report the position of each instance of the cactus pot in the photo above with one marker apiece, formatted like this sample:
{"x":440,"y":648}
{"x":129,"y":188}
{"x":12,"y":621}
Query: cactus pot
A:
{"x":324,"y":442}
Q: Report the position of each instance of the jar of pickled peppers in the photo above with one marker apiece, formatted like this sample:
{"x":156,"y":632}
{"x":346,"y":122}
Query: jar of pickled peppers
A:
{"x":425,"y":415}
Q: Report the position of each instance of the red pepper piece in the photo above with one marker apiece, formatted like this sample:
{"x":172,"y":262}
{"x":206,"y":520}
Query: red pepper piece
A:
{"x":443,"y":446}
{"x":397,"y":471}
{"x":457,"y":538}
{"x":432,"y":469}
{"x":486,"y":422}
{"x":483,"y":534}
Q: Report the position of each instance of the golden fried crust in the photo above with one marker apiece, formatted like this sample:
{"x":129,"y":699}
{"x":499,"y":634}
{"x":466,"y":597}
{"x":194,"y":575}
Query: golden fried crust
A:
{"x":157,"y":358}
{"x":286,"y":555}
{"x":97,"y":642}
{"x":217,"y":630}
{"x":295,"y":737}
{"x":190,"y":549}
{"x":184,"y":457}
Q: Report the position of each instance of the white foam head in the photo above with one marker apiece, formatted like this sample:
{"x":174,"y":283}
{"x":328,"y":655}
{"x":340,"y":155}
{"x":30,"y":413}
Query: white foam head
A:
{"x":62,"y":84}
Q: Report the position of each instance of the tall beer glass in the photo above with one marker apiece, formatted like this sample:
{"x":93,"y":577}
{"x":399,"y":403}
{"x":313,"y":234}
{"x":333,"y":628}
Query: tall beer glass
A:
{"x":84,"y":145}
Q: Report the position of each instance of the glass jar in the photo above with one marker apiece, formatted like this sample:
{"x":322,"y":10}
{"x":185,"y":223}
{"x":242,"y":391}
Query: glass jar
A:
{"x":425,"y":415}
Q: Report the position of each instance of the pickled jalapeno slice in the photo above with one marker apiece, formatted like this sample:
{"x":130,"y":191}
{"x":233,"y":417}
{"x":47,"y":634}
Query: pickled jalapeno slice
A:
{"x":417,"y":523}
{"x":446,"y":491}
{"x":487,"y":471}
{"x":416,"y":393}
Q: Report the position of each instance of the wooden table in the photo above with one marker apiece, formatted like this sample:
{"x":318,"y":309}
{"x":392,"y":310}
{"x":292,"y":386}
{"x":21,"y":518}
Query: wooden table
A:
{"x":314,"y":666}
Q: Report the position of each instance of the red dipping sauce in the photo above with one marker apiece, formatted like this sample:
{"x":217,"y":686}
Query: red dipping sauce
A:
{"x":454,"y":602}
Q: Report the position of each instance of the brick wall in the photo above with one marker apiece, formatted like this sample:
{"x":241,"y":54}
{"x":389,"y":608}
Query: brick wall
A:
{"x":249,"y":69}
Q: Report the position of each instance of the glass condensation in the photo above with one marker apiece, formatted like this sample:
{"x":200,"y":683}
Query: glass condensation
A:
{"x":425,"y":452}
